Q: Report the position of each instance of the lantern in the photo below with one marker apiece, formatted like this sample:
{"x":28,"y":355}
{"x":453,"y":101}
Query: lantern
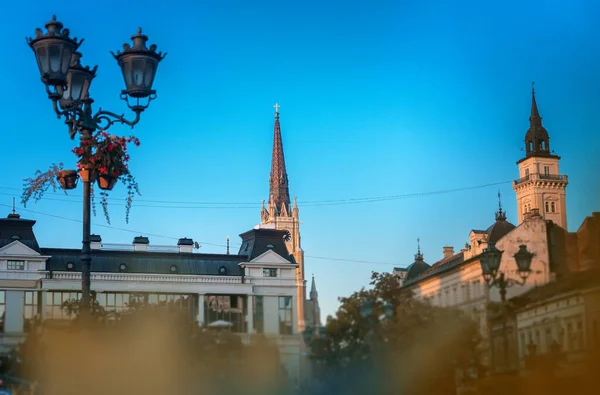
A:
{"x":138,"y":65}
{"x":490,"y":262}
{"x":53,"y":52}
{"x":523,"y":259}
{"x":78,"y":84}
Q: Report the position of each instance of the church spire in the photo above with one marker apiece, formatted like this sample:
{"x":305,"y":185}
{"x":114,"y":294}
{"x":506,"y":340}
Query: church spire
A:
{"x":278,"y":183}
{"x":314,"y":295}
{"x":535,"y":114}
{"x":537,"y":141}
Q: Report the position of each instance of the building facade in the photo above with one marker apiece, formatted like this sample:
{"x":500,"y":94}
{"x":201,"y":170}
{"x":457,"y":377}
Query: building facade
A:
{"x":254,"y":290}
{"x":456,"y":280}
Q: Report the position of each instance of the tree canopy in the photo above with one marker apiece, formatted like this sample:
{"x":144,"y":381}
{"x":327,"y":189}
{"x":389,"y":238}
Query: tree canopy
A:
{"x":418,"y":350}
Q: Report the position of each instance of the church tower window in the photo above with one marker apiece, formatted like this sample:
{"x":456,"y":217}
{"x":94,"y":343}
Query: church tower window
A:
{"x":547,"y":207}
{"x":553,"y":207}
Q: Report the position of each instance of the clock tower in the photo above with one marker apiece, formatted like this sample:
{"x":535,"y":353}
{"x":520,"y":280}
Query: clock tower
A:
{"x":281,"y":215}
{"x":540,"y":185}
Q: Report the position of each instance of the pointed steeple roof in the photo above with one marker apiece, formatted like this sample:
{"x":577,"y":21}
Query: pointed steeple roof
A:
{"x":278,"y":182}
{"x":314,"y":295}
{"x":537,"y":140}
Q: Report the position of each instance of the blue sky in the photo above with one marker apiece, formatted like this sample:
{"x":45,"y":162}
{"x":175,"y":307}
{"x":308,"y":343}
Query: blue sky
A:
{"x":377,"y":98}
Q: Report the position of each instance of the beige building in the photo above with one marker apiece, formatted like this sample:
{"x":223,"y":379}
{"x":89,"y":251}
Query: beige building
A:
{"x":456,"y":279}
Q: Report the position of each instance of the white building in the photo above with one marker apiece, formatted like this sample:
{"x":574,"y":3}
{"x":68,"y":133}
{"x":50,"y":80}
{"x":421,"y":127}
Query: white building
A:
{"x":255,"y":290}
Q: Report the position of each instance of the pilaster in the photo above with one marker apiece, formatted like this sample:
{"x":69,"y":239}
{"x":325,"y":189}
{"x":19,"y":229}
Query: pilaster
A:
{"x":250,"y":313}
{"x":201,"y":307}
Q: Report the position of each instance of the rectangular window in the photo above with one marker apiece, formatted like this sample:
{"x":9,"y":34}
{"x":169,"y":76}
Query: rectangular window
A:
{"x":526,"y":173}
{"x":31,"y":309}
{"x":269,"y":272}
{"x":16,"y":265}
{"x":259,"y":320}
{"x":546,"y":170}
{"x":285,"y":315}
{"x":55,"y":304}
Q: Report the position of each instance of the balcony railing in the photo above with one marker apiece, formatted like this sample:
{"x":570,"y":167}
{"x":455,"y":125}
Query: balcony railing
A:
{"x":129,"y":277}
{"x":540,"y":176}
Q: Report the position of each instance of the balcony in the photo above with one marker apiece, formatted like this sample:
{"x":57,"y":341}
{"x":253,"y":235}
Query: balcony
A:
{"x":541,"y":177}
{"x":142,"y":277}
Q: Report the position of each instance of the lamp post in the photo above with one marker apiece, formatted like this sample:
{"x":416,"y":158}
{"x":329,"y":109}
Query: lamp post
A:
{"x":67,"y":84}
{"x":490,"y":265}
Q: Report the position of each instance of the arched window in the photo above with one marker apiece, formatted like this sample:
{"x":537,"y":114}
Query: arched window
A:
{"x":530,"y":146}
{"x":543,"y":145}
{"x":547,"y":207}
{"x":553,"y":207}
{"x":524,"y":208}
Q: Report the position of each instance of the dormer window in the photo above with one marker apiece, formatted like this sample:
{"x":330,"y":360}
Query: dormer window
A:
{"x":15,"y":265}
{"x":15,"y":237}
{"x":269,"y":272}
{"x":270,"y":246}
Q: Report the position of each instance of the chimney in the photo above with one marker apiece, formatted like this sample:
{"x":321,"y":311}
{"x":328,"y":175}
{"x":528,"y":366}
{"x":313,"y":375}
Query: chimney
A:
{"x":140,"y":243}
{"x":448,"y":252}
{"x":95,"y":242}
{"x":185,"y":245}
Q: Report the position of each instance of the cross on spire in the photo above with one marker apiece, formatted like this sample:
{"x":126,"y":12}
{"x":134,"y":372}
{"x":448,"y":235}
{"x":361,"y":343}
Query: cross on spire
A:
{"x":276,"y":106}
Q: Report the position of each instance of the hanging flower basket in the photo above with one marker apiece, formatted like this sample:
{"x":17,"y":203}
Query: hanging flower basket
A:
{"x":87,"y":175}
{"x":106,"y":182}
{"x":67,"y":179}
{"x":107,"y":157}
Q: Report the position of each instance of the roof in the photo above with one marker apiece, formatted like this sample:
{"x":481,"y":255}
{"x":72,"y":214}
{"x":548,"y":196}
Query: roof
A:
{"x":109,"y":261}
{"x":498,"y":230}
{"x":576,"y":281}
{"x":15,"y":228}
{"x":440,"y":267}
{"x":256,"y":242}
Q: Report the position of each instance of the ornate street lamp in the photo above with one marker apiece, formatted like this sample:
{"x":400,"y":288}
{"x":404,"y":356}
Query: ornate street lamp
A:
{"x":490,"y":261}
{"x":68,"y":83}
{"x":490,"y":264}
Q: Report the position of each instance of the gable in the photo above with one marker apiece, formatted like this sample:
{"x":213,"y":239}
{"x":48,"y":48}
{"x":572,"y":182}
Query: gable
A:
{"x":18,"y":248}
{"x":270,"y":257}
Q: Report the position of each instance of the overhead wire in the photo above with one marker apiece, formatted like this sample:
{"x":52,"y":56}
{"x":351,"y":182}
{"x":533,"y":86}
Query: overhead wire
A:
{"x":177,"y":238}
{"x":314,"y":203}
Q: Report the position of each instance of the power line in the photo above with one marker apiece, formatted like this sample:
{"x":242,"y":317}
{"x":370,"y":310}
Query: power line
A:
{"x":200,"y":242}
{"x":314,"y":203}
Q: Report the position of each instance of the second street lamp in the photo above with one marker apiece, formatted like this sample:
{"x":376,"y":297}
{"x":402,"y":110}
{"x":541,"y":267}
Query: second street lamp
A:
{"x":490,"y":261}
{"x":67,"y":84}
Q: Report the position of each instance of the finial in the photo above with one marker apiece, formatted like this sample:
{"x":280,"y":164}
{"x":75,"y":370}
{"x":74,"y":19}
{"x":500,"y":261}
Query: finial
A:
{"x":14,"y":211}
{"x":227,"y":245}
{"x":139,"y":30}
{"x":500,"y":215}
{"x":276,"y":106}
{"x":532,"y":87}
{"x":53,"y":18}
{"x":418,"y":255}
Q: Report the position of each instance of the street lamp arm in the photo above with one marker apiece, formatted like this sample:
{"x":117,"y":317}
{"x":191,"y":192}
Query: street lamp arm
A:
{"x":105,"y":119}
